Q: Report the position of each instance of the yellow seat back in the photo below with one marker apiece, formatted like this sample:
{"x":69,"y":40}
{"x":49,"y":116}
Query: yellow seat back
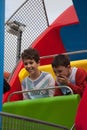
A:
{"x":22,"y":74}
{"x":80,"y":64}
{"x":48,"y":68}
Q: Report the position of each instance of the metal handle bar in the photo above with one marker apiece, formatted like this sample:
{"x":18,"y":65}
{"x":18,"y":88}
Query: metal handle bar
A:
{"x":68,"y":53}
{"x":32,"y":90}
{"x":73,"y":127}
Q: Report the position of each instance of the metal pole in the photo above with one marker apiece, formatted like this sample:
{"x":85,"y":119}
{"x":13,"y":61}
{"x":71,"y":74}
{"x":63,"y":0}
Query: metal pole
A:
{"x":19,"y":39}
{"x":45,"y":13}
{"x":67,"y":53}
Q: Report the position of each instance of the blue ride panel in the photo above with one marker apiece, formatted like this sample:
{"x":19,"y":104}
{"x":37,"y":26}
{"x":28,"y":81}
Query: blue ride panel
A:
{"x":2,"y":14}
{"x":74,"y":36}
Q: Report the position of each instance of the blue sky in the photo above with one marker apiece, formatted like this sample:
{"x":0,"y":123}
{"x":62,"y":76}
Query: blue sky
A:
{"x":54,"y":7}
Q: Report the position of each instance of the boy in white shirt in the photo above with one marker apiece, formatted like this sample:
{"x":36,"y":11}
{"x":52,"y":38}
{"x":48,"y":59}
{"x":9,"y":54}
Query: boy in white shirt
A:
{"x":37,"y":79}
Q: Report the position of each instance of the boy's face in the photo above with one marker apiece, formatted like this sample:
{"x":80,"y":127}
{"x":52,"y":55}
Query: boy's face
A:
{"x":31,"y":65}
{"x":62,"y":71}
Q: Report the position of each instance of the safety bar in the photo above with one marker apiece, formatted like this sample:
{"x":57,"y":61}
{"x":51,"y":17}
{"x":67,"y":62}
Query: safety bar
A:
{"x":73,"y":127}
{"x":68,"y":53}
{"x":33,"y":90}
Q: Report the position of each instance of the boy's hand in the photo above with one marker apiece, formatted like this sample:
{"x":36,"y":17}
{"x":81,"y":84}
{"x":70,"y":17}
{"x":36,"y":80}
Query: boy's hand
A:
{"x":63,"y":80}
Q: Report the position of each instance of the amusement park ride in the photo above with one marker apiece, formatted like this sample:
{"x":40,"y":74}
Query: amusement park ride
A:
{"x":61,"y":110}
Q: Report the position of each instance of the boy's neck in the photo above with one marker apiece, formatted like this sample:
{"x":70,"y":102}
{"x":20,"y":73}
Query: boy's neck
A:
{"x":35,"y":76}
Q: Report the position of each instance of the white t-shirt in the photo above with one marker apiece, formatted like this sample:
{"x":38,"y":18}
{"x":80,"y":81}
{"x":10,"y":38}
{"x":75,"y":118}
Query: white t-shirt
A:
{"x":45,"y":80}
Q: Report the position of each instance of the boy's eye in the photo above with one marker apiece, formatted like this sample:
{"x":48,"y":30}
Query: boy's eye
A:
{"x":26,"y":63}
{"x":59,"y":71}
{"x":30,"y":62}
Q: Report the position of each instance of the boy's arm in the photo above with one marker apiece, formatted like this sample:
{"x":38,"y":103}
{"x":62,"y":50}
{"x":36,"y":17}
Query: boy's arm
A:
{"x":51,"y":84}
{"x":81,"y":82}
{"x":25,"y":95}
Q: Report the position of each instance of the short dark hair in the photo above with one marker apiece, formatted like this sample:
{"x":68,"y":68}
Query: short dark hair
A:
{"x":30,"y":53}
{"x":61,"y":60}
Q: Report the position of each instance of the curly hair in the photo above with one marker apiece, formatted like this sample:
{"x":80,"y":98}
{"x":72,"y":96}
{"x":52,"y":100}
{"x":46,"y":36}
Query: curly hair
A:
{"x":30,"y":53}
{"x":61,"y":60}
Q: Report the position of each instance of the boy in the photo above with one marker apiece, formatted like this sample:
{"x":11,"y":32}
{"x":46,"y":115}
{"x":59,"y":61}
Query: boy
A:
{"x":37,"y":79}
{"x":75,"y":78}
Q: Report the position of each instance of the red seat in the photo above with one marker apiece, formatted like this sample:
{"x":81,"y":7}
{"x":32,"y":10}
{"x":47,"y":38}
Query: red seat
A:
{"x":81,"y":116}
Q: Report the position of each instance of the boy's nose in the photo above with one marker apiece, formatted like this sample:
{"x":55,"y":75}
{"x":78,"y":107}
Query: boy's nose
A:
{"x":28,"y":65}
{"x":57,"y":74}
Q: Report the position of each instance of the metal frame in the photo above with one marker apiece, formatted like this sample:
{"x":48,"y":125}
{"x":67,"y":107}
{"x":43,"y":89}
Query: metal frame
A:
{"x":9,"y":121}
{"x":73,"y":127}
{"x":66,"y":53}
{"x":33,"y":90}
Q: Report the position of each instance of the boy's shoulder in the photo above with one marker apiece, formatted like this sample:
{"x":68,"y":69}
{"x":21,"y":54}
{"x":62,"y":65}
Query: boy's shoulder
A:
{"x":46,"y":74}
{"x":25,"y":79}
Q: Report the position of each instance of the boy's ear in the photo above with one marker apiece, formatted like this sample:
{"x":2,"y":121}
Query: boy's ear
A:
{"x":69,"y":66}
{"x":39,"y":62}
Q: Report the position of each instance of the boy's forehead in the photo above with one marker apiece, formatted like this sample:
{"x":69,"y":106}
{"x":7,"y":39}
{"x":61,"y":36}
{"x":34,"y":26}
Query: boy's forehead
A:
{"x":28,"y":60}
{"x":59,"y":67}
